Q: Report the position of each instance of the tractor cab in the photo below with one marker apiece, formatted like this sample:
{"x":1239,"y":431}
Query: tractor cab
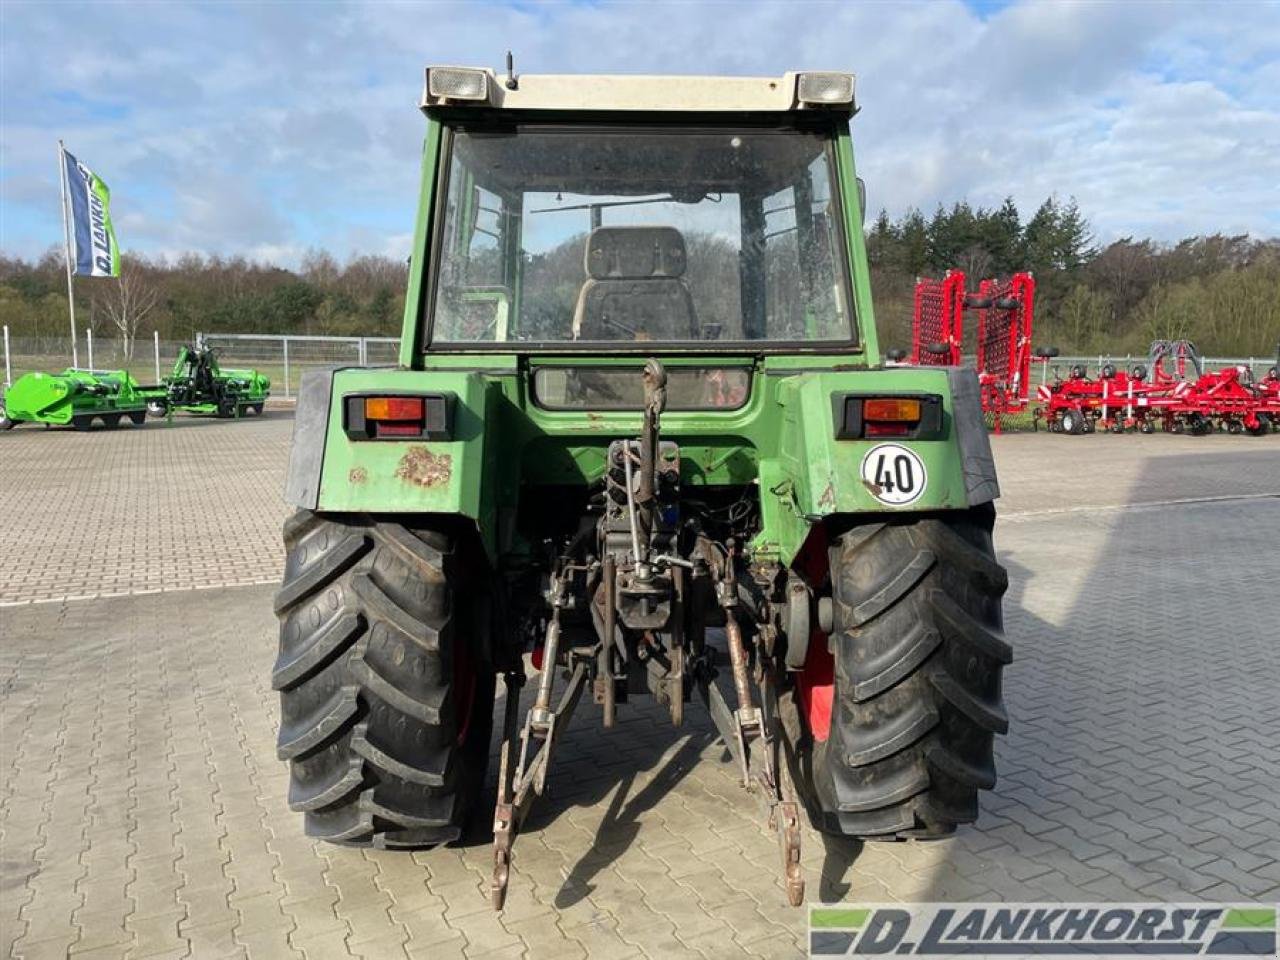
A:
{"x":720,"y":225}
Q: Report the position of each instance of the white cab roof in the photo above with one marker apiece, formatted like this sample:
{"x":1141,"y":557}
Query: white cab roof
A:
{"x":641,"y":93}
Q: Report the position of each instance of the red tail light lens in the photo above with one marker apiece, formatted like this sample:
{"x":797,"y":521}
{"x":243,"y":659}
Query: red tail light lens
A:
{"x":888,"y":430}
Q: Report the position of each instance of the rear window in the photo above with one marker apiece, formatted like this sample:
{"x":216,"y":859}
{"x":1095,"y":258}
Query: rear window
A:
{"x":620,"y":388}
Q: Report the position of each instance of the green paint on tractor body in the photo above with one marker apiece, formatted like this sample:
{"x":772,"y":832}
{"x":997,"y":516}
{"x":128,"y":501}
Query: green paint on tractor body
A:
{"x":782,"y":442}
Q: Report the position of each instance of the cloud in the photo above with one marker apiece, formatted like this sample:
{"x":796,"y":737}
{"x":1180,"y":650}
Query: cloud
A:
{"x":279,"y":127}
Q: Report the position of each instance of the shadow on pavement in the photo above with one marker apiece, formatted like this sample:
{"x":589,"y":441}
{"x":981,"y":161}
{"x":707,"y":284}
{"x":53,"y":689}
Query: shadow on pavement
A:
{"x":621,"y":823}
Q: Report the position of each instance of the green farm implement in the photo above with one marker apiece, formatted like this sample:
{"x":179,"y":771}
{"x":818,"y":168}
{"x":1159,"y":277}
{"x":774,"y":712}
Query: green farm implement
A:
{"x":197,"y":385}
{"x":640,"y":436}
{"x":75,"y":397}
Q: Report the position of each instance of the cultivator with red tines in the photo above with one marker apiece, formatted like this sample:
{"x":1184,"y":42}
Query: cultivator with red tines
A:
{"x":1006,"y":312}
{"x":1184,"y":399}
{"x":937,"y":334}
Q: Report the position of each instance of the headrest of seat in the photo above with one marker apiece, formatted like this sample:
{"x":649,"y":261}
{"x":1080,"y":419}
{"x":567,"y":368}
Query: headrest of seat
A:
{"x":634,"y":253}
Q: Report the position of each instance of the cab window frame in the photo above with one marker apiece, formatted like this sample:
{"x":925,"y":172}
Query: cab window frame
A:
{"x":488,"y":121}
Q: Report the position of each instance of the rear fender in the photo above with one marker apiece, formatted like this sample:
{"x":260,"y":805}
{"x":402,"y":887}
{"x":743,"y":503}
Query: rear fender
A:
{"x":328,"y":471}
{"x":817,"y":476}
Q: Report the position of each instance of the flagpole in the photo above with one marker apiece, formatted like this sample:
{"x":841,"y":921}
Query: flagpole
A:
{"x":66,"y":239}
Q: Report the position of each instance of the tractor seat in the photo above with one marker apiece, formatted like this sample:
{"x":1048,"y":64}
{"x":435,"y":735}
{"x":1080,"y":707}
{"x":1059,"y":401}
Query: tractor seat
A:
{"x":635,"y":287}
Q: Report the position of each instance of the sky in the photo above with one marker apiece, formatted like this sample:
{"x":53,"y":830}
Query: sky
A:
{"x":268,"y":129}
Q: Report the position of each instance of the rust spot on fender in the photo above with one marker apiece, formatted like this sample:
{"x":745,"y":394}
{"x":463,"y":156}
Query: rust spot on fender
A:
{"x":873,"y":487}
{"x":828,"y":498}
{"x":357,"y":476}
{"x":422,"y":468}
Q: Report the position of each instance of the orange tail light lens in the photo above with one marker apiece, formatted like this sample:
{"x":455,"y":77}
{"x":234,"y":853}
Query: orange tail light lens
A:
{"x":895,"y":409}
{"x":393,"y":408}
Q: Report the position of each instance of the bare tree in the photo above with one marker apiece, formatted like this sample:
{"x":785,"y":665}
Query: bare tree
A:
{"x":976,"y":262}
{"x":128,"y":302}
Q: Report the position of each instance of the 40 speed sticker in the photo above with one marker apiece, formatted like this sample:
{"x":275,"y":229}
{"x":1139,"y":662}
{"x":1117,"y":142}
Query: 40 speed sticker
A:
{"x":894,"y":474}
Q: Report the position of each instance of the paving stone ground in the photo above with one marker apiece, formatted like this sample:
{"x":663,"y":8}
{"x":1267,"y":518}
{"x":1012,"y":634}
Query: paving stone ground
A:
{"x":142,"y":808}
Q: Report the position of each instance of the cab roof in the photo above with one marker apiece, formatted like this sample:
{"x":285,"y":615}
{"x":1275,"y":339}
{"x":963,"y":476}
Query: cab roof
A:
{"x":448,"y":89}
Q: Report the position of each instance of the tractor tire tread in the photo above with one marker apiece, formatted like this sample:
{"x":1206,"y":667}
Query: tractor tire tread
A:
{"x":919,"y":651}
{"x":318,"y":575}
{"x":294,"y":666}
{"x":366,"y":674}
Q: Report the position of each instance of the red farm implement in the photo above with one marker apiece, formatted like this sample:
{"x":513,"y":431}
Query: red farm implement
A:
{"x":1183,"y":399}
{"x":1006,"y":312}
{"x":937,"y":331}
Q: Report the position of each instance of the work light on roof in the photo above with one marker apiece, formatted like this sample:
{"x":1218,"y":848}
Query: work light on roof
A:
{"x":819,"y":89}
{"x":457,"y":83}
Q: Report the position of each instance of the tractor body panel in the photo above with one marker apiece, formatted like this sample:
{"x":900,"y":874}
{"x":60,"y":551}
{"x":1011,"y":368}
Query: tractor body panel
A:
{"x":782,"y":439}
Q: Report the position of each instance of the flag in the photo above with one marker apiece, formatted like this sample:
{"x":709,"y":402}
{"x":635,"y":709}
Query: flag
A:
{"x":96,"y":253}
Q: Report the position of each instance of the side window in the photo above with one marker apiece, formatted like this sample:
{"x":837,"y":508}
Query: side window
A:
{"x":484,"y":255}
{"x":474,"y":300}
{"x":821,"y":251}
{"x":803,"y":299}
{"x":784,"y":307}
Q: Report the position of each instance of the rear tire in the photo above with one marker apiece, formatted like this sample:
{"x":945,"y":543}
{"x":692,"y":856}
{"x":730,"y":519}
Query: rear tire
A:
{"x":6,"y":422}
{"x":386,"y":708}
{"x":919,"y":650}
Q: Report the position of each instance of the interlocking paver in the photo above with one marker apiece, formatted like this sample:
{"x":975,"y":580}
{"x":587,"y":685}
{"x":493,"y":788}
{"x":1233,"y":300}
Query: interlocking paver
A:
{"x":142,"y":811}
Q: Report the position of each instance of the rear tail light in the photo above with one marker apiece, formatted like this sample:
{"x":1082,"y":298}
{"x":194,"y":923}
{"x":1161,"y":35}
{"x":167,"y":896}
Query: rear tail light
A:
{"x":427,"y":416}
{"x":918,"y":416}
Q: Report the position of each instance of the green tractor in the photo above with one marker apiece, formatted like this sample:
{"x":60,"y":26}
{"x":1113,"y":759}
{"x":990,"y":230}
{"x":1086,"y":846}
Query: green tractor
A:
{"x":640,"y":434}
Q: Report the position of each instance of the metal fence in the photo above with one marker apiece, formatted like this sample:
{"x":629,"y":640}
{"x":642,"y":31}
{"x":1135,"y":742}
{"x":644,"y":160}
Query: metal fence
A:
{"x":148,"y":358}
{"x":285,"y":358}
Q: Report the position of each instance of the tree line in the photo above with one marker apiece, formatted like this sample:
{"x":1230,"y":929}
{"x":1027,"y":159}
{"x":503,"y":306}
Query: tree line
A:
{"x":1223,"y":292}
{"x":178,"y":298}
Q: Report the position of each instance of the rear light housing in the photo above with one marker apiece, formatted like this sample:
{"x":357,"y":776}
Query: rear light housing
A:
{"x":398,"y":416}
{"x":869,"y":416}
